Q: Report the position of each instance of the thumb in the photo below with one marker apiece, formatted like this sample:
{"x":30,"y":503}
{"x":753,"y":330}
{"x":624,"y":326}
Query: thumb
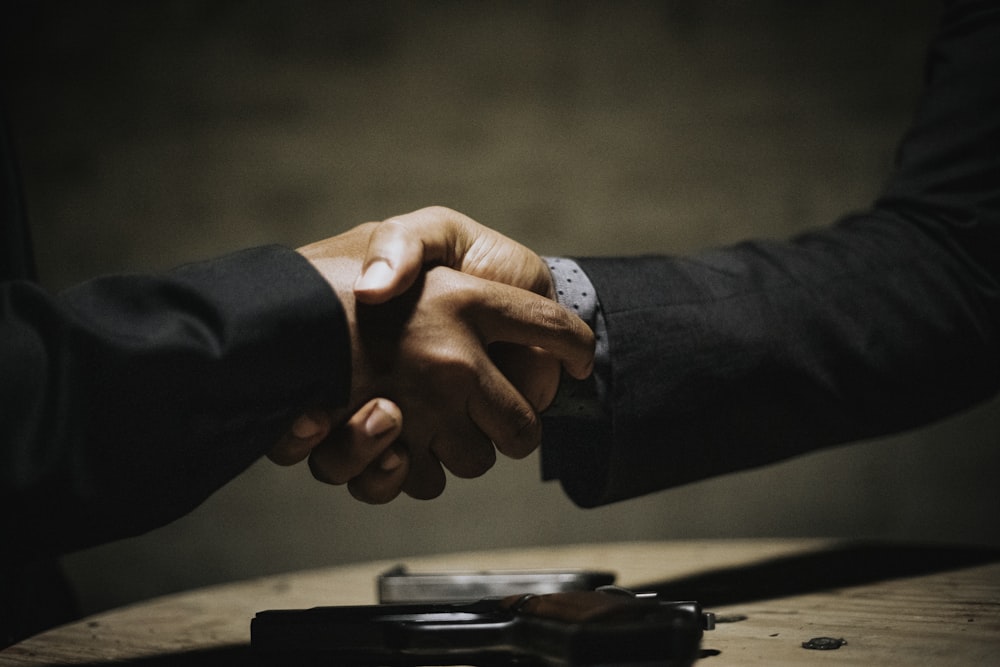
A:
{"x":399,"y":247}
{"x":380,"y":280}
{"x":395,"y":256}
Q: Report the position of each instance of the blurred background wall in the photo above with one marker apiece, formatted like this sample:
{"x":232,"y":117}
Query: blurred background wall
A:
{"x":157,"y":133}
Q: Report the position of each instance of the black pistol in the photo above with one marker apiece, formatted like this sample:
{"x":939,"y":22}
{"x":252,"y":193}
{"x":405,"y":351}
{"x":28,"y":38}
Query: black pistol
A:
{"x":608,"y":626}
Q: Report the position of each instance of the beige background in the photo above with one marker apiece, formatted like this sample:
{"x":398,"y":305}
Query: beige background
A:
{"x":157,"y":133}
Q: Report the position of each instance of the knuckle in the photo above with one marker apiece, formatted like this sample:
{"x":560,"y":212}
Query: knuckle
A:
{"x":438,"y":211}
{"x":392,"y":231}
{"x":451,"y":366}
{"x":395,"y":223}
{"x":551,"y":316}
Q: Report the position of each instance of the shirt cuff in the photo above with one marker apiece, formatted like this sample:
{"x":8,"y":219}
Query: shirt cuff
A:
{"x":580,"y":398}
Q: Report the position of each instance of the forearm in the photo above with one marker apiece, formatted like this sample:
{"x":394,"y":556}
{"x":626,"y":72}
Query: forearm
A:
{"x":764,"y":351}
{"x":753,"y":353}
{"x":128,"y":400}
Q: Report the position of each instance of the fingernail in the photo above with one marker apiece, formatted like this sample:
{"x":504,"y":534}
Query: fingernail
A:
{"x":390,"y":460}
{"x":379,"y":423}
{"x":377,"y":276}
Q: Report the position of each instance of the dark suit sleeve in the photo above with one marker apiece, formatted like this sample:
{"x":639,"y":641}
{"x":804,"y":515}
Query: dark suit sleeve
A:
{"x":757,"y":352}
{"x":127,"y":400}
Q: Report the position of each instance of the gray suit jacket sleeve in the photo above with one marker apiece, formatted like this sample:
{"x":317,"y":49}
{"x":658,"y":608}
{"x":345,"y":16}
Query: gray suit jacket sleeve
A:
{"x":886,"y":320}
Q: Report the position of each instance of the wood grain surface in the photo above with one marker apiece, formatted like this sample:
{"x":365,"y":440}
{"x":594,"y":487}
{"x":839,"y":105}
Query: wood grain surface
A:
{"x":894,"y":604}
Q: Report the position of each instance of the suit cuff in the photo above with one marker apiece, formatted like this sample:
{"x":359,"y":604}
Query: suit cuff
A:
{"x":578,"y":423}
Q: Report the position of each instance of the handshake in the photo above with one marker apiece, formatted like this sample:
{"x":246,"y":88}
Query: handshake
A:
{"x":457,"y":346}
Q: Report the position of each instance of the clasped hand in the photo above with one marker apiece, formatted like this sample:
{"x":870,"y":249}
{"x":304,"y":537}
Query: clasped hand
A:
{"x":457,"y":346}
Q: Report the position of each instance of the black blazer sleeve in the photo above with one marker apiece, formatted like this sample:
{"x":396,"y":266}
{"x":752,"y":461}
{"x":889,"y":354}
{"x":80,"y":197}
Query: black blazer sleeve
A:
{"x":887,"y":320}
{"x":127,"y":400}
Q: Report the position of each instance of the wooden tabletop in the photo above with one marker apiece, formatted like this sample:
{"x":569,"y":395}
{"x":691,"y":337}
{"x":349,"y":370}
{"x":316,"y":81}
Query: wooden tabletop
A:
{"x":893,"y":604}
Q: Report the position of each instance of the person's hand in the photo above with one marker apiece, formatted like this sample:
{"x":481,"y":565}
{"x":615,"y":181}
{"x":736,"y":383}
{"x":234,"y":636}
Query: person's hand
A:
{"x":426,"y":350}
{"x":362,"y":452}
{"x":403,"y":246}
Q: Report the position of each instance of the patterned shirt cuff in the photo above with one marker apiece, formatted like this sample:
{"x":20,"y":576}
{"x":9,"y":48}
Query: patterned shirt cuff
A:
{"x":580,"y":398}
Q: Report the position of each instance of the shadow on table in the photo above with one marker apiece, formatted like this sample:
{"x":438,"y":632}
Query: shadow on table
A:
{"x":831,"y":568}
{"x":237,"y":655}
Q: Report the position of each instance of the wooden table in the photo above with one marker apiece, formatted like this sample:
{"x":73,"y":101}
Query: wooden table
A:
{"x":893,"y":604}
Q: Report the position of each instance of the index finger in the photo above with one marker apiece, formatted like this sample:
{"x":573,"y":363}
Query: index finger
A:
{"x":513,"y":315}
